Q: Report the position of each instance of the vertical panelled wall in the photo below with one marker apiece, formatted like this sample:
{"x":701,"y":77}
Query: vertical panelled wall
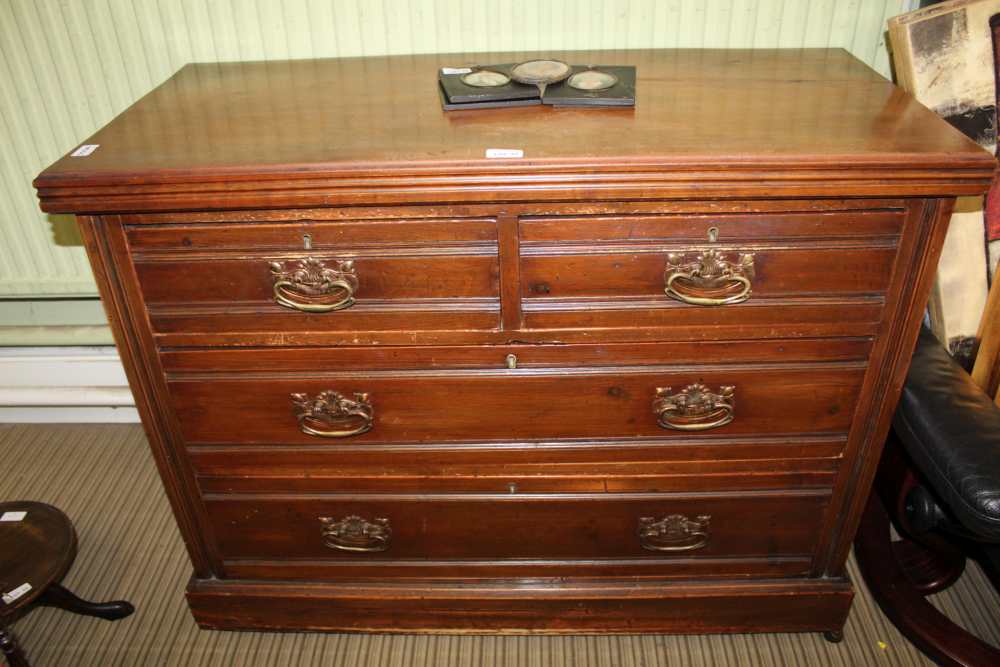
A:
{"x":68,"y":67}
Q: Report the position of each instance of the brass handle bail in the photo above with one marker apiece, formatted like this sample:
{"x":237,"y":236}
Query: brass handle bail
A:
{"x":353,"y":533}
{"x":674,"y":532}
{"x":310,"y":286}
{"x":325,"y":415}
{"x":694,"y":408}
{"x":707,"y":277}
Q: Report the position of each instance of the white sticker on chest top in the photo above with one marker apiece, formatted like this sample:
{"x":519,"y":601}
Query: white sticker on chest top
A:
{"x":85,"y":150}
{"x":13,"y":516}
{"x":504,"y":152}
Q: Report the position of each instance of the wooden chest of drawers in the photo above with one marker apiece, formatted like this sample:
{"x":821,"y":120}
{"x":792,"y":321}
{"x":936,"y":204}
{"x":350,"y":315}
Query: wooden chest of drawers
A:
{"x":635,"y":381}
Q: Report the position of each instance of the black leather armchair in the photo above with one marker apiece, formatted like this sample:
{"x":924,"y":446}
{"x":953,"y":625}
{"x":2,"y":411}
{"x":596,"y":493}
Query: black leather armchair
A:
{"x":951,"y":430}
{"x":939,"y":482}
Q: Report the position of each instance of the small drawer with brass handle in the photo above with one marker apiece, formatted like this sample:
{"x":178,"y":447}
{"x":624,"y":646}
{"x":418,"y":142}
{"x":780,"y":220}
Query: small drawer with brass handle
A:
{"x":353,"y":533}
{"x":674,"y":532}
{"x":317,"y":295}
{"x":694,"y":408}
{"x":332,"y":415}
{"x":709,"y":277}
{"x":310,"y":285}
{"x":723,"y":292}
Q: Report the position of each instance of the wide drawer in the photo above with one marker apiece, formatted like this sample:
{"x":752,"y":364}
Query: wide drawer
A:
{"x":505,"y":404}
{"x":496,"y":527}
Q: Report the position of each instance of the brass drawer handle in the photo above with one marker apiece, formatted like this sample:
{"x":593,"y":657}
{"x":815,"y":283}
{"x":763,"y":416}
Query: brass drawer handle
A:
{"x":707,"y":278}
{"x":352,"y":533}
{"x":674,"y":532}
{"x":325,"y":415}
{"x":309,"y":284}
{"x":694,"y":408}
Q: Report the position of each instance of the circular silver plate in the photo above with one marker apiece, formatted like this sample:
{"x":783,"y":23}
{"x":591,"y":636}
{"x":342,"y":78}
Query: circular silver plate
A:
{"x":592,"y":79}
{"x":540,"y":71}
{"x":485,"y":78}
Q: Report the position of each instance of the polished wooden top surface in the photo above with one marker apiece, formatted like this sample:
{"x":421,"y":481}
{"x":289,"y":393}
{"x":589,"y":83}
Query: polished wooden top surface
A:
{"x":692,"y":105}
{"x":357,"y":131}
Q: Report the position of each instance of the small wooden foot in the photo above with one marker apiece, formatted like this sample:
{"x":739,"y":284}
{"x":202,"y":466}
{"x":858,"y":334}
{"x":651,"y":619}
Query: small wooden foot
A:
{"x":833,"y":636}
{"x":57,"y":596}
{"x":11,"y":651}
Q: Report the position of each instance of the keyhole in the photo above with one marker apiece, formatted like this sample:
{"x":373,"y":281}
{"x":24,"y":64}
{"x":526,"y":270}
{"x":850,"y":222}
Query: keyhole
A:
{"x":307,"y":241}
{"x":512,"y":361}
{"x":713,"y":234}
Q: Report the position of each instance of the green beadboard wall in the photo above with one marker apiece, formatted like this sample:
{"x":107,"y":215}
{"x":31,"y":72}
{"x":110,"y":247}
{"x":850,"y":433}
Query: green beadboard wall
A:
{"x":69,"y":66}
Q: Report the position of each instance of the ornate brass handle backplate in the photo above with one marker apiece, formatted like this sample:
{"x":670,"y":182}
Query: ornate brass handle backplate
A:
{"x":708,"y":278}
{"x":311,"y":286}
{"x":352,"y":533}
{"x":694,"y":408}
{"x":332,"y":415}
{"x":674,"y":532}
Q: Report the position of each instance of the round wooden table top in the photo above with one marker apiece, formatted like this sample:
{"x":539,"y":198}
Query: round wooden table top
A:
{"x":37,"y":546}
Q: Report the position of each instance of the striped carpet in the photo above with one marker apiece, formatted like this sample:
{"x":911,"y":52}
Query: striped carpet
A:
{"x":103,"y":477}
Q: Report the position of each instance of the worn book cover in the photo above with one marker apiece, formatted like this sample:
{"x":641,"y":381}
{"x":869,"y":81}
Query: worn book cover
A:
{"x":943,"y":55}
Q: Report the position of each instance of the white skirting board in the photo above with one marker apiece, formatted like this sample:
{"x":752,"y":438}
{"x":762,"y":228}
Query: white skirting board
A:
{"x":64,"y":384}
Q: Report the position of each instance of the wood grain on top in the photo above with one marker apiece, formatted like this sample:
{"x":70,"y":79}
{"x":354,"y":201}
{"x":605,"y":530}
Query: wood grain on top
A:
{"x":729,"y":110}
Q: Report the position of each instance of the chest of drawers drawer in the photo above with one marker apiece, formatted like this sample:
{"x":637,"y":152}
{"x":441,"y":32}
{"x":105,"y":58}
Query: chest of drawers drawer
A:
{"x":319,"y":276}
{"x":784,"y":274}
{"x":685,"y":273}
{"x":709,"y":259}
{"x":383,"y":279}
{"x":572,"y":527}
{"x":420,"y":406}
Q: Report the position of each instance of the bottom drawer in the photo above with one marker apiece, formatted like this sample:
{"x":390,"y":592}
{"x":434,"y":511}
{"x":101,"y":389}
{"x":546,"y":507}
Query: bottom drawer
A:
{"x":566,"y":527}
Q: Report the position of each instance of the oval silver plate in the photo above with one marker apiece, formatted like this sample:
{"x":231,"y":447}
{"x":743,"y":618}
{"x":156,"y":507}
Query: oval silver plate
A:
{"x":592,"y":79}
{"x":540,"y":71}
{"x":485,"y":78}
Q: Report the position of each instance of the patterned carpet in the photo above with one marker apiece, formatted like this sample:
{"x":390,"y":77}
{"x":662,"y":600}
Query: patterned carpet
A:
{"x":103,"y":477}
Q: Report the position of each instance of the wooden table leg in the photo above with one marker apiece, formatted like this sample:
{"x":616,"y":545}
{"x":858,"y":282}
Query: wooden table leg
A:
{"x":58,"y":596}
{"x":11,"y":651}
